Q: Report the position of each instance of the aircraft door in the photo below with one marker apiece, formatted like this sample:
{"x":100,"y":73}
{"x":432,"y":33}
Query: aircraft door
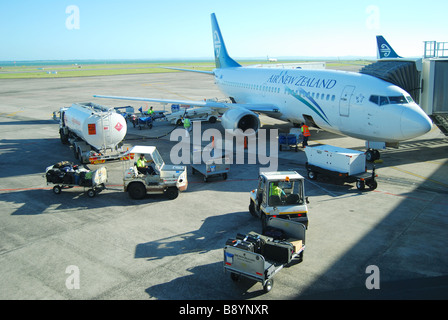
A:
{"x":344,"y":103}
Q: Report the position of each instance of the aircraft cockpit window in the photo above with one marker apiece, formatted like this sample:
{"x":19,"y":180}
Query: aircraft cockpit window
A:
{"x":409,"y":99}
{"x":382,"y":100}
{"x":397,"y":99}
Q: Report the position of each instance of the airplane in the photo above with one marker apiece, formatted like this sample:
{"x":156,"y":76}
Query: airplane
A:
{"x":384,"y":49}
{"x":348,"y":103}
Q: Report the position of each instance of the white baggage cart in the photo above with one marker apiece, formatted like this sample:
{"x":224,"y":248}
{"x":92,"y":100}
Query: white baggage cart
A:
{"x":215,"y":166}
{"x":260,"y":266}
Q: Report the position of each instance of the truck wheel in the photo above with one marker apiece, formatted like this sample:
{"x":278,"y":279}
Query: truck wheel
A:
{"x":264,"y":222}
{"x":137,"y":191}
{"x":268,"y":285}
{"x":91,"y":193}
{"x":212,"y":119}
{"x":171,"y":193}
{"x":57,"y":189}
{"x":252,"y":208}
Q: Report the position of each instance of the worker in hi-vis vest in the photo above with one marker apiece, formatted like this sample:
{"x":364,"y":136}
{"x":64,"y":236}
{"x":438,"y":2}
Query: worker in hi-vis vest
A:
{"x":187,"y":126}
{"x":306,"y":134}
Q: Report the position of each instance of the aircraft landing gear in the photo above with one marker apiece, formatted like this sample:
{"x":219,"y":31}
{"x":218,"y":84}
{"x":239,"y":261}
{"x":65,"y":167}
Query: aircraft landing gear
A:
{"x":372,"y":155}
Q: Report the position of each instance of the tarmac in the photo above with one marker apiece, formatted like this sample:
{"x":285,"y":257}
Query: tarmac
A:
{"x":72,"y":247}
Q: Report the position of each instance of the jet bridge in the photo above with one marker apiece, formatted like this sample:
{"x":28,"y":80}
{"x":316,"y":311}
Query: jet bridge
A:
{"x":424,"y":79}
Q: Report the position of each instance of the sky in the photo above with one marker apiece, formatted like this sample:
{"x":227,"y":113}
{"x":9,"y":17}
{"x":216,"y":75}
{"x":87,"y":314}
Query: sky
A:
{"x":172,"y":29}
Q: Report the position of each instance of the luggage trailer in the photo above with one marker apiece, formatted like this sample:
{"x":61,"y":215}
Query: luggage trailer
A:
{"x":341,"y":164}
{"x":262,"y":267}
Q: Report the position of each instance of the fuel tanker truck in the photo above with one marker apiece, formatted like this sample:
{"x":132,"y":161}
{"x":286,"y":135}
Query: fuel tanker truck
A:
{"x":95,"y":132}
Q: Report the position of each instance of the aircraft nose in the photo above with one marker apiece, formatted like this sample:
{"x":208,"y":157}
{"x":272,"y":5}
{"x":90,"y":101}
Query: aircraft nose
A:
{"x":414,"y":122}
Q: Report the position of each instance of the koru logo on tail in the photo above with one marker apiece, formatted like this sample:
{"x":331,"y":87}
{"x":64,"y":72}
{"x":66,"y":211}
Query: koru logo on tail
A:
{"x":217,"y":42}
{"x":385,"y":50}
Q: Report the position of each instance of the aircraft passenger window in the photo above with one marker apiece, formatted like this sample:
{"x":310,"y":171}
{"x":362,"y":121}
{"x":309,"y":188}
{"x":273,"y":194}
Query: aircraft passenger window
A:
{"x":317,"y":96}
{"x":328,"y":97}
{"x":333,"y":97}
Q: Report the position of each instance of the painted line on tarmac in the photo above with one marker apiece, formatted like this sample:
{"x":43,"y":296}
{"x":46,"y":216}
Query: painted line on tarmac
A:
{"x":421,"y":177}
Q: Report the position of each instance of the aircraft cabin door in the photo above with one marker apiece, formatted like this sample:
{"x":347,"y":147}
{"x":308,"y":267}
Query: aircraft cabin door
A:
{"x":344,"y":103}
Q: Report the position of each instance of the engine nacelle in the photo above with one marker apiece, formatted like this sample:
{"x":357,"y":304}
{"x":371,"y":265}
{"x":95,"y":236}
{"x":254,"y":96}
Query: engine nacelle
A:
{"x":240,"y":118}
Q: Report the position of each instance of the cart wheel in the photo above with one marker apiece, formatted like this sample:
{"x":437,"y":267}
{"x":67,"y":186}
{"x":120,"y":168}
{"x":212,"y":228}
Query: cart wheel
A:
{"x":268,"y":285}
{"x":296,"y":148}
{"x":235,"y":277}
{"x":280,"y":147}
{"x":57,"y":189}
{"x":91,"y":193}
{"x":205,"y":179}
{"x":360,"y":184}
{"x":373,"y":185}
{"x":312,"y":175}
{"x":150,"y":126}
{"x":224,"y":176}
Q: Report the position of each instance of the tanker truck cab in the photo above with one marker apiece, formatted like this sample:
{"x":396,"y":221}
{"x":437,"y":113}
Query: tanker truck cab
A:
{"x":279,"y":194}
{"x":164,"y":179}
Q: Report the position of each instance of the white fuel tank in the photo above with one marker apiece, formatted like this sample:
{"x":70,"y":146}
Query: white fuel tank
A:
{"x":99,"y":126}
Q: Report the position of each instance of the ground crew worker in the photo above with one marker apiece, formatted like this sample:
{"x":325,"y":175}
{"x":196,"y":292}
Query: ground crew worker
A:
{"x":187,"y":126}
{"x":306,"y":134}
{"x":142,"y":167}
{"x":277,"y":192}
{"x":150,"y":111}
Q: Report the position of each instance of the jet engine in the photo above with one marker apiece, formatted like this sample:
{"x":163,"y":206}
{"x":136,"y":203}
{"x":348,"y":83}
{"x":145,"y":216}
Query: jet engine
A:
{"x":240,"y":118}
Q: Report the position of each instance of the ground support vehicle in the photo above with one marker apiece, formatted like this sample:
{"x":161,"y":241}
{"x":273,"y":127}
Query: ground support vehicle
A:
{"x":144,"y":122}
{"x":167,"y":179}
{"x":279,"y":194}
{"x":260,"y":257}
{"x":66,"y":175}
{"x":126,"y":112}
{"x":216,"y":166}
{"x":194,"y":114}
{"x":341,"y":164}
{"x":95,"y":132}
{"x":289,"y":141}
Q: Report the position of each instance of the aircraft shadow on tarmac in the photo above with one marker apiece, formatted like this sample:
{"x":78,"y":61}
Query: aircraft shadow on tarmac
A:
{"x":38,"y":122}
{"x":44,"y":201}
{"x":212,"y":235}
{"x":407,"y":245}
{"x":206,"y":282}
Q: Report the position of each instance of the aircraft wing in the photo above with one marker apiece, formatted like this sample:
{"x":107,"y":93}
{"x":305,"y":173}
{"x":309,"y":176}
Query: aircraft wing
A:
{"x":264,"y":108}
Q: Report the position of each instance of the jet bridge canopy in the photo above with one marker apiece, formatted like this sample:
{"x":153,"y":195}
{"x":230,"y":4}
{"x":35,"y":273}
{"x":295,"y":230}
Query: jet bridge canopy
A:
{"x":402,"y":73}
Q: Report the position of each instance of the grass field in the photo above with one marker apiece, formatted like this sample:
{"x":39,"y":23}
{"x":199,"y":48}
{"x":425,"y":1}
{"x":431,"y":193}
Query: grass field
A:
{"x":106,"y":69}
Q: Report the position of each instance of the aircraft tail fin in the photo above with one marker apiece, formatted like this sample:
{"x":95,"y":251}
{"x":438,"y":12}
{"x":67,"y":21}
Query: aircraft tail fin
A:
{"x":384,"y":49}
{"x":222,"y":58}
